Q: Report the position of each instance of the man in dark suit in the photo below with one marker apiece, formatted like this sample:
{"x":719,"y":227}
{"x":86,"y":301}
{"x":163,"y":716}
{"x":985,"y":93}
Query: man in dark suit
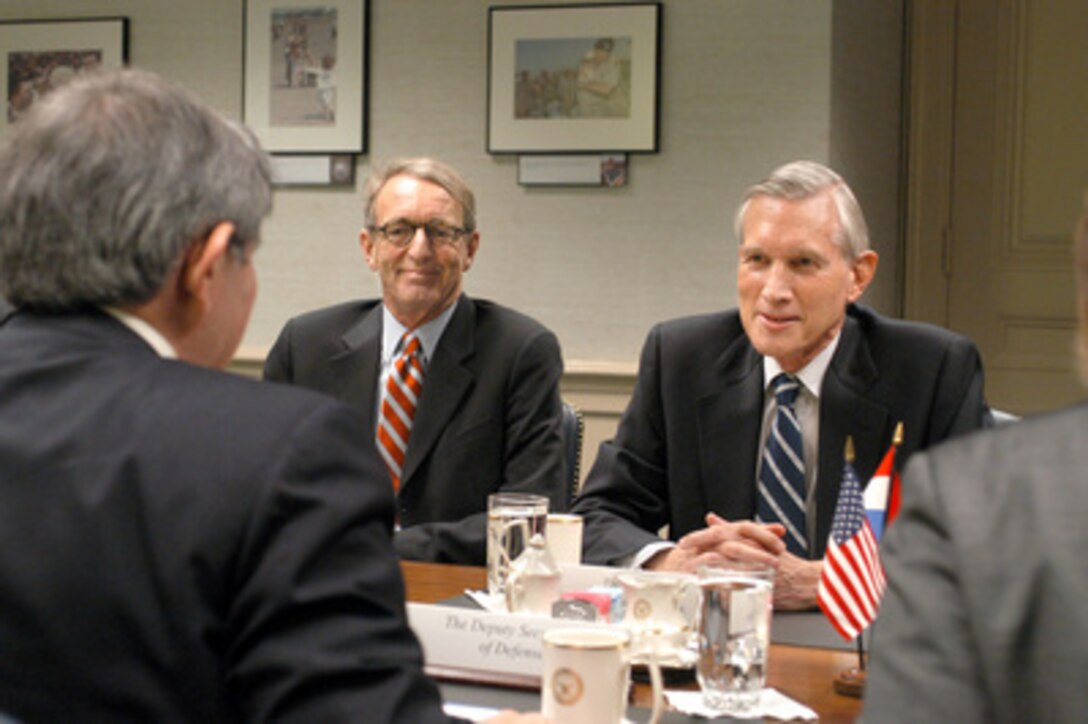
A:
{"x":691,"y":447}
{"x":984,"y":618}
{"x":176,"y":543}
{"x":486,"y":418}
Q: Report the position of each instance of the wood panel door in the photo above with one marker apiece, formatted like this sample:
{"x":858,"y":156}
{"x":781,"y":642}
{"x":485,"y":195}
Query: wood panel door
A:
{"x":998,"y":169}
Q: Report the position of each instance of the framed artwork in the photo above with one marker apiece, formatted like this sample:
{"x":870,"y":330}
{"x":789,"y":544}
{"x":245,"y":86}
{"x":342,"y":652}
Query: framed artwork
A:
{"x":573,"y":78}
{"x":40,"y":55}
{"x":305,"y":74}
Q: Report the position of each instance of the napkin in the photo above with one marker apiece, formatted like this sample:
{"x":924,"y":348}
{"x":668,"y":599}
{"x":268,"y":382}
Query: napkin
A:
{"x":771,"y":703}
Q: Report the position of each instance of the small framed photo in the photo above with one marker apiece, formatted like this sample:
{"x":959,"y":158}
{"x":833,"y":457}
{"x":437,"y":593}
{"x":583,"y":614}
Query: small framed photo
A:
{"x":573,"y":78}
{"x":40,"y":55}
{"x":305,"y":74}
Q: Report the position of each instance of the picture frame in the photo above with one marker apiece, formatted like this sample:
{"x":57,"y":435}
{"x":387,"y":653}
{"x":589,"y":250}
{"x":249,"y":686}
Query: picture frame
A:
{"x":305,"y":74}
{"x":39,"y":55}
{"x":573,"y":78}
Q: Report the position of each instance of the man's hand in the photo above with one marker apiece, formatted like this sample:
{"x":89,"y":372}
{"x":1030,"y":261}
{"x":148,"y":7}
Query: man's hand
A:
{"x":722,"y":541}
{"x":796,"y":582}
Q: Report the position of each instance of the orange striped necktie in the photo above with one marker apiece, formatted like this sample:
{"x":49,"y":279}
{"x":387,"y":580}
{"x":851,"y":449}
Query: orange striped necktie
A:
{"x":402,"y":390}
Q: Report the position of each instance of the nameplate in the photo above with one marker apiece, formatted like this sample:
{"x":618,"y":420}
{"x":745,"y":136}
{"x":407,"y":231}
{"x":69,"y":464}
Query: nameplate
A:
{"x":497,"y":648}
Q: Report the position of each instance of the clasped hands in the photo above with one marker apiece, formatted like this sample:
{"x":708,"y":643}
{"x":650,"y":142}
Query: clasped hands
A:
{"x":796,"y":579}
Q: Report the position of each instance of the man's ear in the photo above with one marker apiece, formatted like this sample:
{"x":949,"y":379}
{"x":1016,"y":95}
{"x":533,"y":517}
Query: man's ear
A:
{"x":367,"y":243}
{"x":471,"y":246}
{"x":863,"y":270}
{"x":202,"y":263}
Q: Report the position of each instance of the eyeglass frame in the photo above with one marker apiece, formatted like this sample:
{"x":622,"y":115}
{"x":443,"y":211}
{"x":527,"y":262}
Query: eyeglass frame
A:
{"x":429,"y":228}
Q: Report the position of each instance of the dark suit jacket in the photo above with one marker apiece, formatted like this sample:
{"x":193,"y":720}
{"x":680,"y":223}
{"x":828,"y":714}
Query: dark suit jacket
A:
{"x":180,"y":544}
{"x":689,"y":439}
{"x":985,"y":617}
{"x":488,"y":418}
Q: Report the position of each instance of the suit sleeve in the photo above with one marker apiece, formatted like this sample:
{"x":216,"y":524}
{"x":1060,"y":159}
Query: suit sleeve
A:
{"x":625,"y":497}
{"x":532,"y":459}
{"x":960,"y":405}
{"x":923,"y":664}
{"x":318,"y":629}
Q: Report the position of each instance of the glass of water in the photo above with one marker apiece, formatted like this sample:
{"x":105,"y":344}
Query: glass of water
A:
{"x":734,"y":634}
{"x":512,"y":519}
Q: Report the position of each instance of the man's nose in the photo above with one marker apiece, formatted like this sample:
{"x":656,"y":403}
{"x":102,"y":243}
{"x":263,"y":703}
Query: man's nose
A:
{"x":779,"y":282}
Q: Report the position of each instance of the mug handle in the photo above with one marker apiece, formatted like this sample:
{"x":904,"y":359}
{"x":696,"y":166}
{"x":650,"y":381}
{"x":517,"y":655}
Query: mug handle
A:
{"x":647,"y":655}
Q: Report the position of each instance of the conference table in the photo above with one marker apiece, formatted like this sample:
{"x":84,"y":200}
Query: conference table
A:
{"x":804,"y":673}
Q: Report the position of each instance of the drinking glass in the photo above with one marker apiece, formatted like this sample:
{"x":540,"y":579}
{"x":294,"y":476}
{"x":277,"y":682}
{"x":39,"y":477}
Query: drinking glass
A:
{"x":512,"y":519}
{"x":734,"y":634}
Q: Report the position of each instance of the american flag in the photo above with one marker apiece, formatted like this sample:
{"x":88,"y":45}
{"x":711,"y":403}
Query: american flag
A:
{"x":852,"y":581}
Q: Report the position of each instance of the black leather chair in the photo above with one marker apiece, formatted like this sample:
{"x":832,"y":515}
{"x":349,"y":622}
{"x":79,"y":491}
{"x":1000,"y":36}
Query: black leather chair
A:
{"x":572,"y":427}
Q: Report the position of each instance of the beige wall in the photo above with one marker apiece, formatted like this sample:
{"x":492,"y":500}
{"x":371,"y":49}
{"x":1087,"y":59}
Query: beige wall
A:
{"x":745,"y":86}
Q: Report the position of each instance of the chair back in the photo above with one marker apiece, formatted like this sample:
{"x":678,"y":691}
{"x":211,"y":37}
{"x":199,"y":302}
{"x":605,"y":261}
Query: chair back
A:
{"x":571,"y":428}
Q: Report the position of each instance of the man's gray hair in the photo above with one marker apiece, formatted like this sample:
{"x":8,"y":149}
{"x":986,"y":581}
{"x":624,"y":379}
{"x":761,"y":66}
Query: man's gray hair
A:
{"x":107,"y":183}
{"x":805,"y":179}
{"x":424,"y":169}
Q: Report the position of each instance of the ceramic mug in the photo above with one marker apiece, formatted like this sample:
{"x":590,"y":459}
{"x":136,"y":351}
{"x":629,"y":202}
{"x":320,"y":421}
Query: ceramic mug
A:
{"x":586,"y":675}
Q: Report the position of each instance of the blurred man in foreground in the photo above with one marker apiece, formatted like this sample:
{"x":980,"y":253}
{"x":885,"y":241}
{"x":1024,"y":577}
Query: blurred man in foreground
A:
{"x":176,"y":543}
{"x":984,"y":618}
{"x":734,"y":435}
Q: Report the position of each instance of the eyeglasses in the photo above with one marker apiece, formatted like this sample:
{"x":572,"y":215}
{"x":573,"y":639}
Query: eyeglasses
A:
{"x":401,"y":233}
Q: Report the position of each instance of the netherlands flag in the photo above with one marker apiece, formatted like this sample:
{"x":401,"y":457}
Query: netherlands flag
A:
{"x":881,"y":497}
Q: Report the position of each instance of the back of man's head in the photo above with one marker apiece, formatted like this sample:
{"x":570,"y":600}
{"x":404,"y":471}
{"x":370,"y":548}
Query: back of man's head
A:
{"x":106,"y":183}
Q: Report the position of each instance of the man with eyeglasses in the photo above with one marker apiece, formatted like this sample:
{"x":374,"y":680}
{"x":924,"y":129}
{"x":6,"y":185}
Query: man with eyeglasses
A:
{"x":461,"y":394}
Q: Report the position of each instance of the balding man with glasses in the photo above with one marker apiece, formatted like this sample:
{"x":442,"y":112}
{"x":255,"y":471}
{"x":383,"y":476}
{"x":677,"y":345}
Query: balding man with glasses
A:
{"x":461,"y":394}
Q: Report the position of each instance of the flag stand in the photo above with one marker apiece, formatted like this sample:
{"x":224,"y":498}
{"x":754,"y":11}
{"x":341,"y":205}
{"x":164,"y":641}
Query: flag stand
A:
{"x":851,"y":682}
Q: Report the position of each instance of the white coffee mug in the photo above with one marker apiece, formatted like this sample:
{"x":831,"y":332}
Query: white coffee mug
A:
{"x":565,"y":537}
{"x":587,"y":675}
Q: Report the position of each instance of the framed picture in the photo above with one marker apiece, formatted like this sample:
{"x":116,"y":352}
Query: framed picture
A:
{"x":40,"y":55}
{"x":573,"y":78}
{"x":305,"y":74}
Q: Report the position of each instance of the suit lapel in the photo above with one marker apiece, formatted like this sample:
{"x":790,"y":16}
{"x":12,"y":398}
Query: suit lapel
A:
{"x":845,"y":409}
{"x":731,"y":412}
{"x":447,"y":381}
{"x":358,"y":364}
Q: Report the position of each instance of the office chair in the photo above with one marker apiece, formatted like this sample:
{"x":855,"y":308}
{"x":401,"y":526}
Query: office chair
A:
{"x":571,"y":428}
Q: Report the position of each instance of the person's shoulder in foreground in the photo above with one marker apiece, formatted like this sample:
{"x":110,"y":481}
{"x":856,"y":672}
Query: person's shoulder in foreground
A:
{"x":984,"y":616}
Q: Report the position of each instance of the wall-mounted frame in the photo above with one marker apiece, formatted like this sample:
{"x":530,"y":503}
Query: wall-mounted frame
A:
{"x":573,"y":78}
{"x":305,"y":74}
{"x":39,"y":55}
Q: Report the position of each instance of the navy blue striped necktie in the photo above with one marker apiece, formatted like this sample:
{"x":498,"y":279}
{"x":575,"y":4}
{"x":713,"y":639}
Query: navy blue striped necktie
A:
{"x":782,"y":469}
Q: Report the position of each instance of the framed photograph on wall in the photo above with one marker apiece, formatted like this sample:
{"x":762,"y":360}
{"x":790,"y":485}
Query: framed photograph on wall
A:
{"x":305,"y":74}
{"x":40,"y":55}
{"x":573,"y":78}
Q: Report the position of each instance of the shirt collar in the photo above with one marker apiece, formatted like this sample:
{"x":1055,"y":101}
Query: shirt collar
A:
{"x":811,"y":375}
{"x":429,"y":334}
{"x":145,"y":332}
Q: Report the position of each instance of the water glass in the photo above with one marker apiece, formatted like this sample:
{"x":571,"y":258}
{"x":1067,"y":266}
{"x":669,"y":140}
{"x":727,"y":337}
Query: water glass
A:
{"x":734,"y":634}
{"x":512,"y":519}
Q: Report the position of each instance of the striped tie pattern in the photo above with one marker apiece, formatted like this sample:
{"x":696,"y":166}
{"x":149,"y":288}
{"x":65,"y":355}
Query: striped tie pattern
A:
{"x":402,"y":389}
{"x":782,"y":472}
